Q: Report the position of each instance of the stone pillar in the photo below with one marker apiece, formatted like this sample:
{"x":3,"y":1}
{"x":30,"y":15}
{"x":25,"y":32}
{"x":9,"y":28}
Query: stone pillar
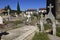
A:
{"x":42,"y":26}
{"x":16,"y":14}
{"x":54,"y":28}
{"x":8,"y":14}
{"x":41,"y":23}
{"x":28,"y":18}
{"x":58,"y":9}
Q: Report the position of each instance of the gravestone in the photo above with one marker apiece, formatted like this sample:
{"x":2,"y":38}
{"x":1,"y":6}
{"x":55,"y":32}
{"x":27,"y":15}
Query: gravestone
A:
{"x":51,"y":16}
{"x":41,"y":23}
{"x":16,"y":14}
{"x":8,"y":14}
{"x":1,"y":20}
{"x":25,"y":15}
{"x":28,"y":17}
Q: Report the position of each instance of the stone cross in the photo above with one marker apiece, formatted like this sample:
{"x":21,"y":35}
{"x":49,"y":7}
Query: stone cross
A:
{"x":50,"y":7}
{"x":50,"y":15}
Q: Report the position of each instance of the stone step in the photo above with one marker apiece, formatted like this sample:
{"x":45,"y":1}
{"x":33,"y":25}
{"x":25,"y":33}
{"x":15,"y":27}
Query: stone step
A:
{"x":53,"y":37}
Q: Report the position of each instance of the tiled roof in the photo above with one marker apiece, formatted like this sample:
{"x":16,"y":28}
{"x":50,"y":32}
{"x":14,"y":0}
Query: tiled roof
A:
{"x":2,"y":10}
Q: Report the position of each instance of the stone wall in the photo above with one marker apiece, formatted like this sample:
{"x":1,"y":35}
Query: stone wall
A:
{"x":58,"y":9}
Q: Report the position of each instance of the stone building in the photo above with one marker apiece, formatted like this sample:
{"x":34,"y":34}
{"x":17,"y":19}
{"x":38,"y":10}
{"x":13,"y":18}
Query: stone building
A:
{"x":31,"y":11}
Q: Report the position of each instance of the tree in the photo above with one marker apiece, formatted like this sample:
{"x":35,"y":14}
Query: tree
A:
{"x":7,"y":7}
{"x":18,"y":8}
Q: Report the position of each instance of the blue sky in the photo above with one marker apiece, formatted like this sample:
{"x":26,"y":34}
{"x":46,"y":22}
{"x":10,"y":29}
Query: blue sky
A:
{"x":24,"y":4}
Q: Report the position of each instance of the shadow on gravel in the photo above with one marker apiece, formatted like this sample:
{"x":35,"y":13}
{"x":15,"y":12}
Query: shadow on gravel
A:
{"x":3,"y":33}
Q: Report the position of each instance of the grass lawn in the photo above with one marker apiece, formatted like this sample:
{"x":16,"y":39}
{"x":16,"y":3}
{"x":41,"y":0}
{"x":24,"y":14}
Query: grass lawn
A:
{"x":46,"y":27}
{"x":58,"y":31}
{"x":40,"y":36}
{"x":14,"y":22}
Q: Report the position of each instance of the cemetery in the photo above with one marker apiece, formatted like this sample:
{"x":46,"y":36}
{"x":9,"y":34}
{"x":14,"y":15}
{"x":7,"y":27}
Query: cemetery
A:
{"x":31,"y":24}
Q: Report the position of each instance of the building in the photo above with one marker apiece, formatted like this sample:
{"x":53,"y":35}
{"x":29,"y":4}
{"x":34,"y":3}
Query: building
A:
{"x":31,"y":11}
{"x":5,"y":12}
{"x":2,"y":11}
{"x":43,"y":10}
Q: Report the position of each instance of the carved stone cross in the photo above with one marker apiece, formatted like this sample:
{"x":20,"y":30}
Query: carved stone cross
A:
{"x":50,"y":7}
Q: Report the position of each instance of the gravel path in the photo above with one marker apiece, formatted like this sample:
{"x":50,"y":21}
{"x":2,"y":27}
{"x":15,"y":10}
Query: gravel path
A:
{"x":16,"y":33}
{"x":28,"y":35}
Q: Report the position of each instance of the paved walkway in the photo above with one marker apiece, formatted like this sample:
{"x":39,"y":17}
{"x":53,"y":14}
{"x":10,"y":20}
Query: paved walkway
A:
{"x":13,"y":34}
{"x":53,"y":37}
{"x":26,"y":36}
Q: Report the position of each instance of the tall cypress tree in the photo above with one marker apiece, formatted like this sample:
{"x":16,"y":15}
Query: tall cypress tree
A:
{"x":18,"y":8}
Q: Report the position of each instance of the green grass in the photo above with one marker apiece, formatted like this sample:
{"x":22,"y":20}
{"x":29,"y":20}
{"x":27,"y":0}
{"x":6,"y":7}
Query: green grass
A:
{"x":40,"y":36}
{"x":14,"y":22}
{"x":58,"y":20}
{"x":46,"y":27}
{"x":58,"y":31}
{"x":18,"y":22}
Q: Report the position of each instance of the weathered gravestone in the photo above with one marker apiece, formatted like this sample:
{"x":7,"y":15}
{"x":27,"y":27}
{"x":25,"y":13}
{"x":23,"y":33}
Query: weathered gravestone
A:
{"x":41,"y":23}
{"x":28,"y":17}
{"x":16,"y":14}
{"x":8,"y":14}
{"x":1,"y":21}
{"x":51,"y":16}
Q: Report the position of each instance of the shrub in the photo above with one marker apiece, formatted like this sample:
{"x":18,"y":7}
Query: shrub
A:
{"x":47,"y":26}
{"x":58,"y":31}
